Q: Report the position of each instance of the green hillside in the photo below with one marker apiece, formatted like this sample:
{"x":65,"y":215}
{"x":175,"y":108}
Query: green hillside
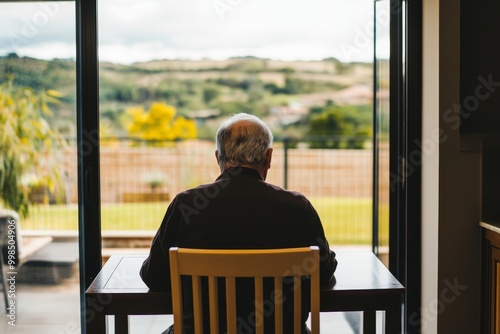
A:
{"x":202,"y":89}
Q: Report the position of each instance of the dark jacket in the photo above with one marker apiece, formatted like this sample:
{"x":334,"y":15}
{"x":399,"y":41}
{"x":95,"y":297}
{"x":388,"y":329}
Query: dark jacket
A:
{"x":238,"y":211}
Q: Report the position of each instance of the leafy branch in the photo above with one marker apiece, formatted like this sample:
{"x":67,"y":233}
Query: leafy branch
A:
{"x":27,"y":142}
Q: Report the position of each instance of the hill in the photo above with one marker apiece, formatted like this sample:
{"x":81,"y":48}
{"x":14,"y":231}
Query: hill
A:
{"x":201,"y":89}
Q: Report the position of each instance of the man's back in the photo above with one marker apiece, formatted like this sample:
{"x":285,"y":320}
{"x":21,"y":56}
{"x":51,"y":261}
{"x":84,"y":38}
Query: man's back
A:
{"x":242,"y":211}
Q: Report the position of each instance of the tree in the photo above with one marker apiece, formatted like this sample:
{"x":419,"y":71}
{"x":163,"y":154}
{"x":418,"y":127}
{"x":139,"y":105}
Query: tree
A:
{"x":210,"y":94}
{"x":27,"y":143}
{"x":160,"y":123}
{"x":339,"y":127}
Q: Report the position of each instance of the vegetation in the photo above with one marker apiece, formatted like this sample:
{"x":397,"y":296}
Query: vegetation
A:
{"x":25,"y":139}
{"x":160,"y":124}
{"x":204,"y":90}
{"x":341,"y":127}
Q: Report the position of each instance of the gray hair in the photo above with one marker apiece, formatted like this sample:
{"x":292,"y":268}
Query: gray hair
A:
{"x":243,"y":139}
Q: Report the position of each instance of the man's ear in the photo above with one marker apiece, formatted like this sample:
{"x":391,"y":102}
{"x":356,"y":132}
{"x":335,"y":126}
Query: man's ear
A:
{"x":269,"y":156}
{"x":217,"y":156}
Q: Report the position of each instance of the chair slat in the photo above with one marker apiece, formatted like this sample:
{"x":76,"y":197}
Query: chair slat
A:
{"x":231,"y":304}
{"x":197,"y":308}
{"x":278,"y":305}
{"x":297,"y":288}
{"x":259,"y":305}
{"x":214,"y":305}
{"x":315,"y":301}
{"x":175,"y":282}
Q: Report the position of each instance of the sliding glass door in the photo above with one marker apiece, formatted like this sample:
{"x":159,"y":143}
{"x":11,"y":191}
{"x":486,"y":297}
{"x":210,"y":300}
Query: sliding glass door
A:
{"x":381,"y":127}
{"x":397,"y":151}
{"x":39,"y":164}
{"x":107,"y":105}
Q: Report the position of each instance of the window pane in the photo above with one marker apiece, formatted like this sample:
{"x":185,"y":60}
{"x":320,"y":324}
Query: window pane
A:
{"x":382,"y":124}
{"x":204,"y":60}
{"x":38,"y":112}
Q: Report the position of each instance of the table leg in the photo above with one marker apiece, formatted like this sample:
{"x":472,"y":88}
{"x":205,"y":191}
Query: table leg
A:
{"x":96,"y":318}
{"x":121,"y":324}
{"x":369,"y":322}
{"x":393,"y":317}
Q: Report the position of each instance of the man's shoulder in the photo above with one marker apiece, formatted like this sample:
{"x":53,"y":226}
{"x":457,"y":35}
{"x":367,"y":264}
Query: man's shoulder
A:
{"x":290,"y":196}
{"x":245,"y":187}
{"x":195,"y":190}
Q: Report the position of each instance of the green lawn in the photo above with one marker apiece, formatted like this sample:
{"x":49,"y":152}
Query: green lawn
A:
{"x":346,"y":220}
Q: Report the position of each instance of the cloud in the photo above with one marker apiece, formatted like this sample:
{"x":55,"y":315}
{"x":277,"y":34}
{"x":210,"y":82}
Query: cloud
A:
{"x":38,"y":29}
{"x":131,"y":30}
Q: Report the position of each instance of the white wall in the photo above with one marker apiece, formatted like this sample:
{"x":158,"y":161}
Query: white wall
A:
{"x":430,"y":164}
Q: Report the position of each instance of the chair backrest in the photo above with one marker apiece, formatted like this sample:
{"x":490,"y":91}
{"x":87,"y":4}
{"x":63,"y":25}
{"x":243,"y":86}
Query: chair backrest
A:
{"x":231,"y":264}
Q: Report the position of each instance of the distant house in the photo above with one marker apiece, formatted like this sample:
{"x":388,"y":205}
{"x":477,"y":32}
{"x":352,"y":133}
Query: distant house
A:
{"x":355,"y":94}
{"x":202,"y":115}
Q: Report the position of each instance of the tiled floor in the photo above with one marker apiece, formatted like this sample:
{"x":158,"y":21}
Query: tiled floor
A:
{"x":334,"y":323}
{"x":54,"y":309}
{"x":47,"y":309}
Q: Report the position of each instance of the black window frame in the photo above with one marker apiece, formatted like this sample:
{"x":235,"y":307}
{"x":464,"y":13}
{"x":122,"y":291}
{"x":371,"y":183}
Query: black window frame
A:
{"x":405,"y":227}
{"x":89,"y":199}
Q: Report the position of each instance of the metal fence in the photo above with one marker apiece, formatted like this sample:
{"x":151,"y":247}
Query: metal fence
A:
{"x":138,"y":179}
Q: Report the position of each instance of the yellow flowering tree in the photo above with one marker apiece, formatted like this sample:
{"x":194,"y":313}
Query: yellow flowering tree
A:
{"x":26,"y":142}
{"x":160,"y":123}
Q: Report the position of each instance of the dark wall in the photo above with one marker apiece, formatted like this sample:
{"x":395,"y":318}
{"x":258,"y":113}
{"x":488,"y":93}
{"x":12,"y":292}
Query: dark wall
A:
{"x":491,"y":180}
{"x":480,"y":66}
{"x":459,"y":233}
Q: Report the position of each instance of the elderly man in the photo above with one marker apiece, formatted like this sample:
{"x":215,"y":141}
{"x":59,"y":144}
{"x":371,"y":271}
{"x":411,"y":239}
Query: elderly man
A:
{"x":239,"y":211}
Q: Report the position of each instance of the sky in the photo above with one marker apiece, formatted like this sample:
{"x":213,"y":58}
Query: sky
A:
{"x":132,"y":31}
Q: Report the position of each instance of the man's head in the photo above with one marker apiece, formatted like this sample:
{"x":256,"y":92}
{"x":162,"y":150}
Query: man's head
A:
{"x":244,"y":140}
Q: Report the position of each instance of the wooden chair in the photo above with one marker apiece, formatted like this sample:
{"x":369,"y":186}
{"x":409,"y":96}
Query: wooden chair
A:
{"x":229,"y":264}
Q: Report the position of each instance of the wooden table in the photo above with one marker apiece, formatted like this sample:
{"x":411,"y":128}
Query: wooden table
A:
{"x":363,"y":284}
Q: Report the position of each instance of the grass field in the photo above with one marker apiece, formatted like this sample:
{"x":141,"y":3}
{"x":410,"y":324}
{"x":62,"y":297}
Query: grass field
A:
{"x":347,"y":221}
